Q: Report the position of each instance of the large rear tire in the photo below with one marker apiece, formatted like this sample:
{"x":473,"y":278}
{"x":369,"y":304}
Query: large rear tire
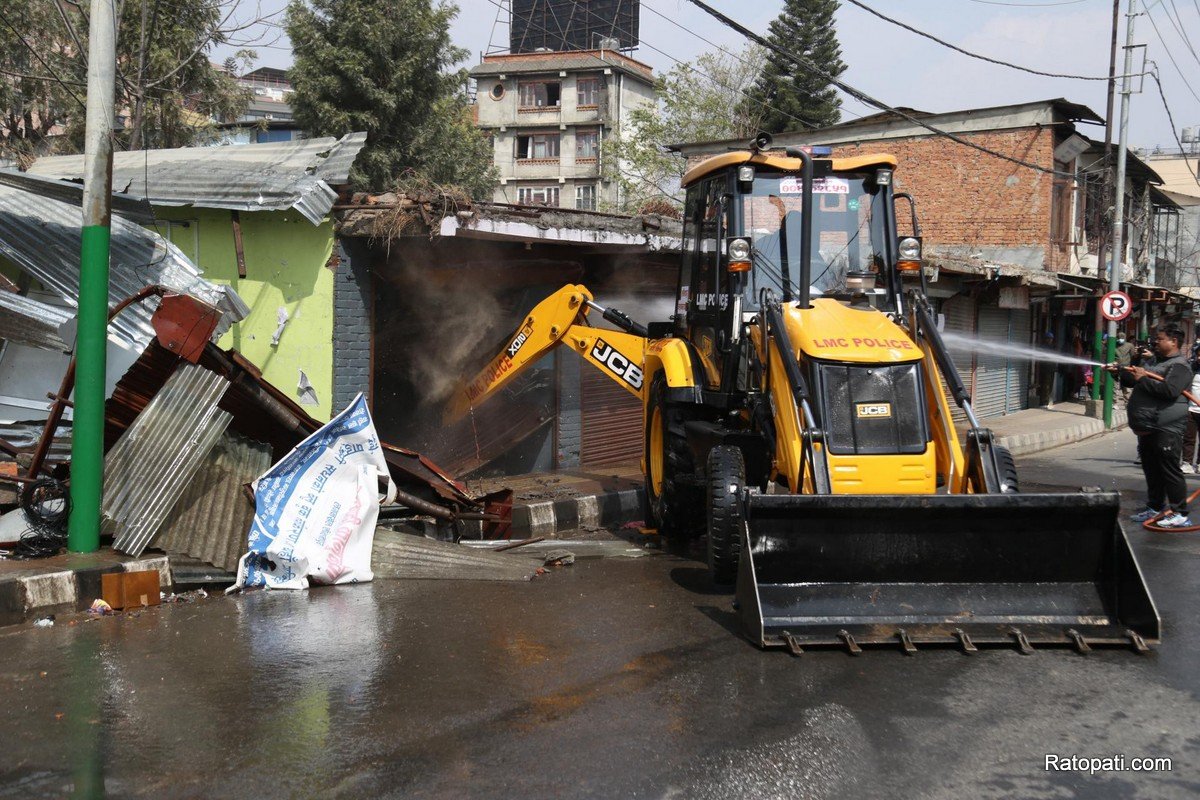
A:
{"x":673,"y":500}
{"x":726,"y":479}
{"x":1008,"y":471}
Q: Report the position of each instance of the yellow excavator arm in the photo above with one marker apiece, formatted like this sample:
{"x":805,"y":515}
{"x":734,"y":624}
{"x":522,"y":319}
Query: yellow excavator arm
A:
{"x":560,"y":318}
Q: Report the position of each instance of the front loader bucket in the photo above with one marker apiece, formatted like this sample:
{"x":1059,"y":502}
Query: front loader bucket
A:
{"x":1015,"y":569}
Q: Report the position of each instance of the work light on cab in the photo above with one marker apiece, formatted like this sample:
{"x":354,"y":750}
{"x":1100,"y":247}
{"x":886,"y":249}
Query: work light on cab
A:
{"x":910,"y":254}
{"x":739,"y":255}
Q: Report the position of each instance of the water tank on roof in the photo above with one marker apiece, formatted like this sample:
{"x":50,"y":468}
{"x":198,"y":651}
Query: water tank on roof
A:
{"x":1188,"y":135}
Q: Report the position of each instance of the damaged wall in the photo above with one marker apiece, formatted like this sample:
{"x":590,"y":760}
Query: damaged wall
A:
{"x":286,"y":259}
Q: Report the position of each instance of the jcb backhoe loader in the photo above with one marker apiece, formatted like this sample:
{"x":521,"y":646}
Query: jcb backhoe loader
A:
{"x":795,"y":414}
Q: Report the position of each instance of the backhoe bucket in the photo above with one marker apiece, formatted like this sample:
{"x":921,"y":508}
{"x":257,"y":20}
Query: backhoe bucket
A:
{"x":964,"y":570}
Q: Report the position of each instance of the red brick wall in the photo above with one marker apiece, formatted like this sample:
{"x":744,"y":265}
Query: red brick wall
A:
{"x":965,"y":197}
{"x":970,"y":199}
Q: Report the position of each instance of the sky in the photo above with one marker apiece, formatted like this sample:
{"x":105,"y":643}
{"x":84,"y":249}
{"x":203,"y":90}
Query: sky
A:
{"x":902,"y":69}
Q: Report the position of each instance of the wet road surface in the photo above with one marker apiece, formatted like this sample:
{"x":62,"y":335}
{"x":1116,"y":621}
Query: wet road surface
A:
{"x":618,"y":677}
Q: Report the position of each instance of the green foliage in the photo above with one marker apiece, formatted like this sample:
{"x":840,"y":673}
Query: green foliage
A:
{"x":791,"y":97}
{"x":385,"y":68}
{"x":167,"y":89}
{"x":699,"y":101}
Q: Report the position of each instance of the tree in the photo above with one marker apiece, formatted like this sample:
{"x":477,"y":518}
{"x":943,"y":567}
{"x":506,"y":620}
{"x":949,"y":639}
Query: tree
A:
{"x":793,"y":97}
{"x":384,"y":68}
{"x":167,"y":90}
{"x":696,"y":102}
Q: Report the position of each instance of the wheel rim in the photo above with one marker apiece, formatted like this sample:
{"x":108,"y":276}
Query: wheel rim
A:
{"x":655,"y":456}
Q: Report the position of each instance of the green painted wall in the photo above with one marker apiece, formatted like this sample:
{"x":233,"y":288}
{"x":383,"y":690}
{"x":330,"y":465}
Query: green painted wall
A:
{"x":286,"y":257}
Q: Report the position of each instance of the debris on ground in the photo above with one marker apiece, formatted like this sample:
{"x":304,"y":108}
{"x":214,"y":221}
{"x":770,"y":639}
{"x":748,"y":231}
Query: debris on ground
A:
{"x":184,"y":597}
{"x":558,"y":558}
{"x":131,"y":589}
{"x":402,"y":555}
{"x":99,"y":608}
{"x":315,"y":510}
{"x":44,"y":622}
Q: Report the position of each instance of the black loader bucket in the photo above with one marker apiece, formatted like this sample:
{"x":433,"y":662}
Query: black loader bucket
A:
{"x":1015,"y":569}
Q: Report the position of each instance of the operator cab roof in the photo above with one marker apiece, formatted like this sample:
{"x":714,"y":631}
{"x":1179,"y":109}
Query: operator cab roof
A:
{"x":783,"y":163}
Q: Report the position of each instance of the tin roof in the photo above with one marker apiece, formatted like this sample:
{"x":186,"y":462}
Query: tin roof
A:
{"x":568,"y":61}
{"x":249,"y":177}
{"x":31,"y":322}
{"x":42,"y":236}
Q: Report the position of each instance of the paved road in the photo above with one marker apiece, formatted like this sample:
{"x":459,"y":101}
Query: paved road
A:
{"x":618,"y":677}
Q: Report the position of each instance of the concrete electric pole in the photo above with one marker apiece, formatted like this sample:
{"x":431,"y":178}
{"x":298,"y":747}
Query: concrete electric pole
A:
{"x":87,"y":433}
{"x":1118,"y":243}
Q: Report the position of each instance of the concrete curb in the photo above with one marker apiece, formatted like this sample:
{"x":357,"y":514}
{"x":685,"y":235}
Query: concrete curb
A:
{"x":22,"y":597}
{"x":594,"y":510}
{"x":1022,"y":444}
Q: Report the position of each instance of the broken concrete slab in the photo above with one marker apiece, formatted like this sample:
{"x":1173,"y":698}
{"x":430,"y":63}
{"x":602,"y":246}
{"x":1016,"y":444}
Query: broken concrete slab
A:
{"x":403,"y":555}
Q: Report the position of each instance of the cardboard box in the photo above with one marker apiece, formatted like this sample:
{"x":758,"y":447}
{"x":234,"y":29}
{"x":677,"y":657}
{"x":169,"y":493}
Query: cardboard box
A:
{"x":130,"y":589}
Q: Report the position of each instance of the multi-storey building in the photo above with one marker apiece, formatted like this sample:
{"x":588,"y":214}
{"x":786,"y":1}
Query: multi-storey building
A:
{"x":549,"y":114}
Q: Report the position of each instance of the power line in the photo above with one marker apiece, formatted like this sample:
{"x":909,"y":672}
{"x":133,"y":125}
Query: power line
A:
{"x":1167,"y":50}
{"x":866,"y":98}
{"x":41,"y":60}
{"x":1177,"y":24}
{"x":724,"y":50}
{"x":958,"y":49}
{"x":1171,"y":119}
{"x":684,"y":64}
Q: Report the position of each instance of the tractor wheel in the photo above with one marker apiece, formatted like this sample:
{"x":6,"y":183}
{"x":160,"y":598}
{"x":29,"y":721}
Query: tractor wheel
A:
{"x":674,"y":507}
{"x":726,"y":478}
{"x":1008,"y":471}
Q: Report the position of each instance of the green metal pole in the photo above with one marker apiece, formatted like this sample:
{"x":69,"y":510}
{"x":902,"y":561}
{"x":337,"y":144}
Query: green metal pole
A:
{"x":1097,"y":352}
{"x":87,"y":432}
{"x":1108,"y":383}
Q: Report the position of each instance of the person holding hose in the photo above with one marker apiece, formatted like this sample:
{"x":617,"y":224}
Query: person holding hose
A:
{"x":1158,"y":417}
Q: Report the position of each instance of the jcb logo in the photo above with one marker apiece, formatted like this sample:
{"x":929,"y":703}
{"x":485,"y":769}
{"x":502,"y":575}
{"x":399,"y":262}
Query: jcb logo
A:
{"x":618,"y":364}
{"x":874,"y":409}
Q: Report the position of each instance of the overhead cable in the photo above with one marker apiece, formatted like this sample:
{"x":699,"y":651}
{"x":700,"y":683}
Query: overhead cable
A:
{"x":1171,"y":119}
{"x":958,"y":49}
{"x":1167,"y":50}
{"x":866,"y":98}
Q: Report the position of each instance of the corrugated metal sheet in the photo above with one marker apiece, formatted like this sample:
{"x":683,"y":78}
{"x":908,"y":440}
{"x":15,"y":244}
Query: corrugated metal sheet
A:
{"x":212,"y":518}
{"x":133,"y":209}
{"x":42,"y":237}
{"x":404,"y":555}
{"x":992,"y":371}
{"x":28,"y":321}
{"x":151,"y":465}
{"x":245,"y":177}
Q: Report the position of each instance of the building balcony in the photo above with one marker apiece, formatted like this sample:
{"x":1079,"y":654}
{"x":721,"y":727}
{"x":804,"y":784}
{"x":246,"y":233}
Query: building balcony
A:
{"x":538,"y":167}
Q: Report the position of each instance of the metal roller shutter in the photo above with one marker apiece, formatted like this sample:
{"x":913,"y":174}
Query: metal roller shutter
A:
{"x":1001,"y":383}
{"x":612,"y":422}
{"x":960,"y":318}
{"x":991,"y":370}
{"x":1020,"y":325}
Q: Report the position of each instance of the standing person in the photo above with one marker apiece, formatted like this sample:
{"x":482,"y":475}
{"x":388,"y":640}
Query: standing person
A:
{"x":1125,"y":351}
{"x":1158,"y":417}
{"x":1193,"y":418}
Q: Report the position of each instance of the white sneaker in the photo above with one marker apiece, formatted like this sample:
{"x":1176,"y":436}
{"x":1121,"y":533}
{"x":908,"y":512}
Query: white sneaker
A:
{"x":1174,"y":520}
{"x":1145,"y":515}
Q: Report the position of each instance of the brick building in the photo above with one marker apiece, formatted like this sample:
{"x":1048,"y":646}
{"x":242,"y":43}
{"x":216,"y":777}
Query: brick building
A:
{"x":1012,"y":250}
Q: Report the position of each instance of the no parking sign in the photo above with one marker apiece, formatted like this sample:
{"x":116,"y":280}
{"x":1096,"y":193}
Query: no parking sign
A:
{"x":1116,"y":306}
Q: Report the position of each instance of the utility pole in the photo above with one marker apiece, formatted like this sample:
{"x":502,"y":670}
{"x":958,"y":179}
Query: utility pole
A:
{"x":87,"y":434}
{"x":1098,"y":344}
{"x":1118,"y":243}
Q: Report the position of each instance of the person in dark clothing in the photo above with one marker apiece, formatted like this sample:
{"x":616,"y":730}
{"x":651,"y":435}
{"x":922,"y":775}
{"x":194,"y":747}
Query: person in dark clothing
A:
{"x":1158,"y":416}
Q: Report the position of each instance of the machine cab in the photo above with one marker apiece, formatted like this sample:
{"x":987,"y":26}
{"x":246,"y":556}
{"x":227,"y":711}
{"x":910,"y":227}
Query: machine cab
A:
{"x":744,"y":232}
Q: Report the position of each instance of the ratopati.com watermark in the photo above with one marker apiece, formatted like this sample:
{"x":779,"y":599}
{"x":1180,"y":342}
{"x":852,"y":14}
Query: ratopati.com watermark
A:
{"x":1117,"y":763}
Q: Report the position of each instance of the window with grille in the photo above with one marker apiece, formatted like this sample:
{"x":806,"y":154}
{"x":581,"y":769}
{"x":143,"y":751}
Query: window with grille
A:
{"x":538,"y":195}
{"x":587,"y":144}
{"x":539,"y":94}
{"x":587,"y":91}
{"x":538,"y":145}
{"x":585,"y":197}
